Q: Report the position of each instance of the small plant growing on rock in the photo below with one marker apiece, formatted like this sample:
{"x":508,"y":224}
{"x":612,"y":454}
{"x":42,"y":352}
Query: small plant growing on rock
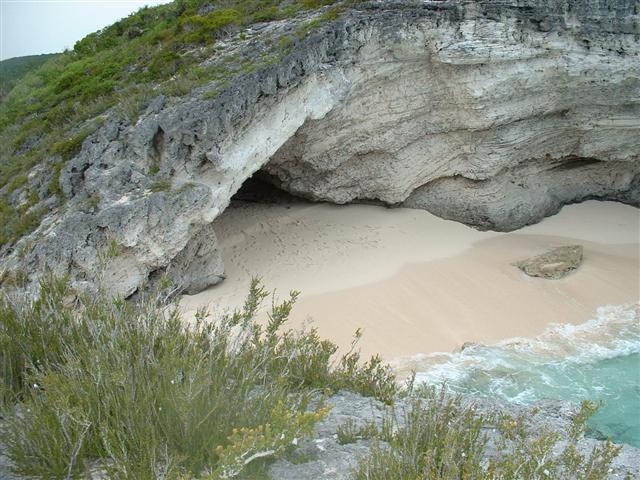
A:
{"x":93,"y":201}
{"x":69,"y":147}
{"x":160,"y":186}
{"x":351,"y":432}
{"x":437,"y":436}
{"x":271,"y":440}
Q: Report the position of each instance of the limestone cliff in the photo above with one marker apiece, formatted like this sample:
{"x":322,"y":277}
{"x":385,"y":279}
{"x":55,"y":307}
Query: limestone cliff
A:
{"x":493,"y":113}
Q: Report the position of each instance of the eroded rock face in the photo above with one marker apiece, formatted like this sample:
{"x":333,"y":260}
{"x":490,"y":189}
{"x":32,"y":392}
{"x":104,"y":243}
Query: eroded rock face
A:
{"x":493,"y":114}
{"x":495,"y":124}
{"x":526,"y":193}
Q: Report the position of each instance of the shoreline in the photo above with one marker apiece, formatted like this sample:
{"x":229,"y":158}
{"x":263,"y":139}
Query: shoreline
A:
{"x":418,"y":284}
{"x":441,"y":305}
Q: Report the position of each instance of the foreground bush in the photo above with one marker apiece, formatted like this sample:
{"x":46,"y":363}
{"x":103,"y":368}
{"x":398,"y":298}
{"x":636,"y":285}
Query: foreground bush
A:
{"x":437,"y":437}
{"x":133,"y":390}
{"x":95,"y":384}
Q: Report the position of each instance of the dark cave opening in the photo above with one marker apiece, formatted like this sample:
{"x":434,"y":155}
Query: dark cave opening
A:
{"x":261,"y":188}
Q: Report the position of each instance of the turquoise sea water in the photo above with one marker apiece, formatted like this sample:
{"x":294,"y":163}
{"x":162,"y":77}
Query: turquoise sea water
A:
{"x":598,"y":360}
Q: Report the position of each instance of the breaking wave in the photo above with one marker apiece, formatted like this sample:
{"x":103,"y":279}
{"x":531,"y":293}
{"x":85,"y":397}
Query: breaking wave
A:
{"x":597,"y":360}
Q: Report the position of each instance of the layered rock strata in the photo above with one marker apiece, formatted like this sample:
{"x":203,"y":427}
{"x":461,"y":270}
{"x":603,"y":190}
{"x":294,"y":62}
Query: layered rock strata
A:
{"x":491,"y":113}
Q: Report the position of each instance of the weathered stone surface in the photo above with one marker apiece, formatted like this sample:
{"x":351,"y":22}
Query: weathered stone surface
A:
{"x":491,"y":113}
{"x":325,"y":459}
{"x":555,"y":264}
{"x":328,"y":460}
{"x":331,"y":461}
{"x":5,"y":473}
{"x":526,"y":193}
{"x":556,"y":416}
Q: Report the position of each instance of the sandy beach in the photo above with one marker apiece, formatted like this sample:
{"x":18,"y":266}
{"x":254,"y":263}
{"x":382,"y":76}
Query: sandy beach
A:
{"x":417,"y":284}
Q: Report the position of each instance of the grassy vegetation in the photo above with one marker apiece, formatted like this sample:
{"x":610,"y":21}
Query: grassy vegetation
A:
{"x":93,"y":383}
{"x":18,"y":221}
{"x":351,"y":432}
{"x":13,"y":69}
{"x":132,"y":389}
{"x":161,"y":186}
{"x":438,"y":437}
{"x":45,"y":117}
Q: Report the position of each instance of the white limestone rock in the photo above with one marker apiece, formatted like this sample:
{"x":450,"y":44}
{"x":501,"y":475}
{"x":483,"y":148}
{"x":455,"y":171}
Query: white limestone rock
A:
{"x":494,"y":114}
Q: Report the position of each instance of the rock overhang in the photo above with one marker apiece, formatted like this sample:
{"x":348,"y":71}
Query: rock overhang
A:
{"x":483,"y":113}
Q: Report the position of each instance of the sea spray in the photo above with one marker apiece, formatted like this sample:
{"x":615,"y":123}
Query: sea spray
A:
{"x":597,"y":360}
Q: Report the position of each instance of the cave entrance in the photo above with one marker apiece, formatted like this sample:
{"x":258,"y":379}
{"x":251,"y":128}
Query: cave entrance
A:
{"x":262,"y":188}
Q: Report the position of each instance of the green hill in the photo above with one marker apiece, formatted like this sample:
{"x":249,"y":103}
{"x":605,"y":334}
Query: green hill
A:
{"x":157,"y":50}
{"x":13,"y":69}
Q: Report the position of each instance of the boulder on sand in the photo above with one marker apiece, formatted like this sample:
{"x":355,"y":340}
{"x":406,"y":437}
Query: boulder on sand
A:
{"x":554,"y":264}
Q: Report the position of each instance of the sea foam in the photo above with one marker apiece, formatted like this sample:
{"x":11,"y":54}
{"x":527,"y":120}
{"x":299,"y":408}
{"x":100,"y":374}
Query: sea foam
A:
{"x":596,"y":360}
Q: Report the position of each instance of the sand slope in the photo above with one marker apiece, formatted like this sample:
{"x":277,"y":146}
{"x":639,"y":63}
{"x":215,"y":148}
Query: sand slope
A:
{"x":416,"y":283}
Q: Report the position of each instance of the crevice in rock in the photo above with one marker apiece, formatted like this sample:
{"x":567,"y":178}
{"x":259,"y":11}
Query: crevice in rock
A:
{"x":572,"y":163}
{"x":157,"y":149}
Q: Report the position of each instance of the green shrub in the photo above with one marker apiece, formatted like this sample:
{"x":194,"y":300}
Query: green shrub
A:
{"x":161,"y":186}
{"x":69,"y":147}
{"x":164,"y":64}
{"x":12,"y":279}
{"x":351,"y":432}
{"x":312,"y":4}
{"x":54,"y":184}
{"x":92,"y":202}
{"x":18,"y":222}
{"x":13,"y":69}
{"x":266,"y":15}
{"x":18,"y":181}
{"x":437,"y":437}
{"x":139,"y":392}
{"x":132,"y":102}
{"x":201,"y":28}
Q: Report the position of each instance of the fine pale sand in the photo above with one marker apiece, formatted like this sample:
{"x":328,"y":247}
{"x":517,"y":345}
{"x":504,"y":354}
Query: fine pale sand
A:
{"x":415,"y":283}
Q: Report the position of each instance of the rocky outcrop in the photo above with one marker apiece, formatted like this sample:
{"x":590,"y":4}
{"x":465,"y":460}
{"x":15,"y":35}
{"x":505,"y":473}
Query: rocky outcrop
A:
{"x":325,"y":458}
{"x":555,"y":264}
{"x":526,"y":193}
{"x":491,"y":113}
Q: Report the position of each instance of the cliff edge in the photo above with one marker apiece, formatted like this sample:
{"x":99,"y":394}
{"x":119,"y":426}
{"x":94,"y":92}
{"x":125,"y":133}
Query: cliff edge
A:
{"x":493,"y":113}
